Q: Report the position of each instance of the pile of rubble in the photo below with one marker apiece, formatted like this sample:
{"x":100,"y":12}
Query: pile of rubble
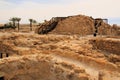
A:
{"x":84,"y":25}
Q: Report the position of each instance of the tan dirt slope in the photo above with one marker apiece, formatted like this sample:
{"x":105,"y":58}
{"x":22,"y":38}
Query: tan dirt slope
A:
{"x":79,"y":24}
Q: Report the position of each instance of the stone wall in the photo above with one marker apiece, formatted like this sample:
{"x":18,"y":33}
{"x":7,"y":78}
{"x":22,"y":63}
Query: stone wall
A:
{"x":110,"y":45}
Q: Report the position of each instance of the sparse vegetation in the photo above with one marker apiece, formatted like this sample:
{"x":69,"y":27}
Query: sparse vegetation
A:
{"x":13,"y":20}
{"x":18,"y":21}
{"x":31,"y":22}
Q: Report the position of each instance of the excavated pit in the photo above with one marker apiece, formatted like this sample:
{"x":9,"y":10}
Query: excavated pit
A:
{"x":59,"y":57}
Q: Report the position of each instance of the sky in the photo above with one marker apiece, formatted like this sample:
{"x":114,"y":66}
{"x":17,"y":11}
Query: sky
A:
{"x":46,"y":9}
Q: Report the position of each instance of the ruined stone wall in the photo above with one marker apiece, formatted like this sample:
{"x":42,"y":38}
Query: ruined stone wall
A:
{"x":115,"y":30}
{"x":7,"y":48}
{"x":104,"y":29}
{"x":108,"y":44}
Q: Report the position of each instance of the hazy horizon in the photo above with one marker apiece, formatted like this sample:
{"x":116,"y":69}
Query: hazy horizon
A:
{"x":41,"y":10}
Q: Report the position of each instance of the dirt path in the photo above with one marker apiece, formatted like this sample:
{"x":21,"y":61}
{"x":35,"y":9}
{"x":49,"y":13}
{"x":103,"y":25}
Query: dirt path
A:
{"x":94,"y":73}
{"x":91,"y":71}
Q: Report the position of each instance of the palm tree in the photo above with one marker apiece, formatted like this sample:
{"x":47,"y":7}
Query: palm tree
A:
{"x":34,"y":21}
{"x":13,"y":20}
{"x":18,"y":20}
{"x":31,"y":21}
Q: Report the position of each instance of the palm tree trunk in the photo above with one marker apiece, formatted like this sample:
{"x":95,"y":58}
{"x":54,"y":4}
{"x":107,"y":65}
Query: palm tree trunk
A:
{"x":14,"y":24}
{"x":18,"y":26}
{"x":30,"y":26}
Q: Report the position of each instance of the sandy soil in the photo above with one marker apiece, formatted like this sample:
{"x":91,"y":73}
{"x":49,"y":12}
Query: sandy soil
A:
{"x":56,"y":56}
{"x":59,"y":57}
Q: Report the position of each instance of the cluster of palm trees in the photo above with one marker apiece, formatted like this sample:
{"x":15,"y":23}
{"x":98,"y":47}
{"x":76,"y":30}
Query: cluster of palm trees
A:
{"x":31,"y":21}
{"x":16,"y":22}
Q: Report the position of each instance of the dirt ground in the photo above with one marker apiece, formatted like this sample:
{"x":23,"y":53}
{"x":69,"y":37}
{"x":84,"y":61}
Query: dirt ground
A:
{"x":59,"y":57}
{"x":69,"y":52}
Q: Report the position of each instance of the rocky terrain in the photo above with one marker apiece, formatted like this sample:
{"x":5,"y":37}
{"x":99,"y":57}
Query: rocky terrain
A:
{"x":69,"y":52}
{"x":59,"y":57}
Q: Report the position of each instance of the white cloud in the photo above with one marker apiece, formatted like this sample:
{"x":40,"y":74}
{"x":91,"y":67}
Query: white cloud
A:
{"x":40,"y":11}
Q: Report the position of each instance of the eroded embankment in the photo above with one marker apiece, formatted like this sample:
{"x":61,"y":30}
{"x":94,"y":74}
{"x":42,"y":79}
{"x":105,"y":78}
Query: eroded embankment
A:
{"x":111,"y":45}
{"x":40,"y":67}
